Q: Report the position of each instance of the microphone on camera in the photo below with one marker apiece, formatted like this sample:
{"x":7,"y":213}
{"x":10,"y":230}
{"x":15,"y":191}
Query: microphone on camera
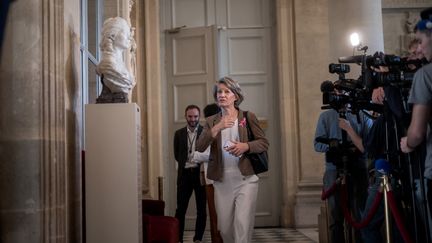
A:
{"x":351,"y":59}
{"x":382,"y":166}
{"x":327,"y":86}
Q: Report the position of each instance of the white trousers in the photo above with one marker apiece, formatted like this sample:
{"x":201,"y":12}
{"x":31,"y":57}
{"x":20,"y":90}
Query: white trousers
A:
{"x":235,"y":199}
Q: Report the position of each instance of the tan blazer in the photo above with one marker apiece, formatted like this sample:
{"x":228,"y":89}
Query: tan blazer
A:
{"x":215,"y":165}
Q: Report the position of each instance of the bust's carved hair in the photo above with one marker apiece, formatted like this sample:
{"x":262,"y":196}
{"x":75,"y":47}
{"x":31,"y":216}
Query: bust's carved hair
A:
{"x":111,"y":28}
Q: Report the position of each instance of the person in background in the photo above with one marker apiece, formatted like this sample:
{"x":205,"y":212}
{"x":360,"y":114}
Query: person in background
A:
{"x":235,"y":183}
{"x":203,"y":158}
{"x":188,"y":173}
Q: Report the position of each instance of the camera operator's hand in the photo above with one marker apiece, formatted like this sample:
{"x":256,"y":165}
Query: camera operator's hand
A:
{"x":378,"y":95}
{"x":381,"y":69}
{"x":333,"y":143}
{"x":355,"y":138}
{"x":404,"y":146}
{"x":345,"y":124}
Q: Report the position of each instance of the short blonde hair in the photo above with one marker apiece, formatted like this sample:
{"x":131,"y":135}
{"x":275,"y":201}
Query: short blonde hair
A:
{"x":233,"y":86}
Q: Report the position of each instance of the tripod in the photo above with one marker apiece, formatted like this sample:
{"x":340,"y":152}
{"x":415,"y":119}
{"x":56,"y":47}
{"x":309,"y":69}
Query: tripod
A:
{"x":406,"y":181}
{"x":345,"y":159}
{"x":353,"y":170}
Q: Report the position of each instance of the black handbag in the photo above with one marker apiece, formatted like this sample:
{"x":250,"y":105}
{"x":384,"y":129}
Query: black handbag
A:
{"x":259,"y":161}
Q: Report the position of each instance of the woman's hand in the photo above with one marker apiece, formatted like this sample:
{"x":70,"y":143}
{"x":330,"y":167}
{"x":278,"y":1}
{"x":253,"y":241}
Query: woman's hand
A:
{"x":225,"y":122}
{"x":238,"y":148}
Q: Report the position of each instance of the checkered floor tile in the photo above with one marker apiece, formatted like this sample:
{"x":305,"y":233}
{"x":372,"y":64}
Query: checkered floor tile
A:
{"x":263,"y":235}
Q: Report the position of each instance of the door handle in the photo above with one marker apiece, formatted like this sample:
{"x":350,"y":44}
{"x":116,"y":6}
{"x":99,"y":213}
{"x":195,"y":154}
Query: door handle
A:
{"x":175,"y":30}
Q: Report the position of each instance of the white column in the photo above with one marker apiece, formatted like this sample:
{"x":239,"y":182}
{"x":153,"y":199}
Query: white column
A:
{"x":348,"y":16}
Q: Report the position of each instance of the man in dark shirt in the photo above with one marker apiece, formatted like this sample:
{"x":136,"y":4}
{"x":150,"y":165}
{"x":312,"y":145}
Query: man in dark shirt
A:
{"x":188,"y":173}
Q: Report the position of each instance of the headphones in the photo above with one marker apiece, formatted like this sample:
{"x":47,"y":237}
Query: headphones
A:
{"x":426,"y":20}
{"x":424,"y":24}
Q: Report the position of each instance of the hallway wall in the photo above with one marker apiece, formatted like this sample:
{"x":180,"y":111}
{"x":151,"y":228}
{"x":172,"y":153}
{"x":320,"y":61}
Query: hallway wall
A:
{"x":41,"y":118}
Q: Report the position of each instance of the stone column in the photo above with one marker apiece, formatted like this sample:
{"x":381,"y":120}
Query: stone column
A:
{"x":312,"y":58}
{"x":150,"y":96}
{"x":33,"y":169}
{"x":288,"y":109}
{"x":314,"y":33}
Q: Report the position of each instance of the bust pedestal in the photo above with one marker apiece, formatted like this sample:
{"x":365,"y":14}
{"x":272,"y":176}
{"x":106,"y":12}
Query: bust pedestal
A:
{"x":113,"y":173}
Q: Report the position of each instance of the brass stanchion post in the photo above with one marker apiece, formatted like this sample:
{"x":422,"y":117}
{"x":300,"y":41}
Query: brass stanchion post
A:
{"x":386,"y":187}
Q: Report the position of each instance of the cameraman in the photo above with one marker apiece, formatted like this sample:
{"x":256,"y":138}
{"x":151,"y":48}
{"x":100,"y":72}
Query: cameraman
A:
{"x":421,"y":98}
{"x":329,"y":128}
{"x":383,"y":142}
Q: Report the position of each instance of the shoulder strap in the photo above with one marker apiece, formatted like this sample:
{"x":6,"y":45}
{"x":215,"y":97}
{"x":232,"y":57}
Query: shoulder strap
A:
{"x":249,"y":130}
{"x":200,"y":129}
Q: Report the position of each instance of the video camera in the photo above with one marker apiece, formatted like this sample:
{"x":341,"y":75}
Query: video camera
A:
{"x":397,"y":71}
{"x":376,"y":70}
{"x":342,"y":92}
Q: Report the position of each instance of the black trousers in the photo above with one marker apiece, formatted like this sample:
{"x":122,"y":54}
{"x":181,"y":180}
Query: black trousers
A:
{"x":188,"y":183}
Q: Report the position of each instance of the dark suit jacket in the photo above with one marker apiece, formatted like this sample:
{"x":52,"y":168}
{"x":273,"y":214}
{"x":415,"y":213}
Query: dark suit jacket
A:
{"x":215,"y":165}
{"x":181,"y":148}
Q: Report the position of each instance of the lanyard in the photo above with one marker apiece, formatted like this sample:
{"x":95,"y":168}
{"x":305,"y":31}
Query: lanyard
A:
{"x":191,"y":142}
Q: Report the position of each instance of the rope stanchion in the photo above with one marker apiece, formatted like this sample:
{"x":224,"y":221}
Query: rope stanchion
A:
{"x":347,"y":214}
{"x":398,"y":217}
{"x":325,"y":194}
{"x":376,"y":203}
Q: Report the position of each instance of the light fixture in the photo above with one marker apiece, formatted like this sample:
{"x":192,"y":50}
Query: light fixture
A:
{"x":356,"y":44}
{"x":355,"y":39}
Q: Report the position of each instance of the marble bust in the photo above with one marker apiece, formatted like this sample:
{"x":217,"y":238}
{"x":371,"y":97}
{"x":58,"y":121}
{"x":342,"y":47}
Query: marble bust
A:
{"x":117,"y":80}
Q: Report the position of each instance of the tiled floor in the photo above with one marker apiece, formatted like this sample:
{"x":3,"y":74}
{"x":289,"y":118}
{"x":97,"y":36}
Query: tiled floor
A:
{"x":270,"y":235}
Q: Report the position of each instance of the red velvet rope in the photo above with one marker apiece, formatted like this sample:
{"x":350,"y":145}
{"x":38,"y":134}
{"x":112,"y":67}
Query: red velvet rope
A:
{"x":358,"y":225}
{"x":327,"y":193}
{"x":397,"y":217}
{"x":347,"y":214}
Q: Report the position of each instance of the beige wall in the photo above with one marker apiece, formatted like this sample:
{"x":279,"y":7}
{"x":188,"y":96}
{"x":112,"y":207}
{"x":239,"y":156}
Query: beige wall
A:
{"x":40,"y":116}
